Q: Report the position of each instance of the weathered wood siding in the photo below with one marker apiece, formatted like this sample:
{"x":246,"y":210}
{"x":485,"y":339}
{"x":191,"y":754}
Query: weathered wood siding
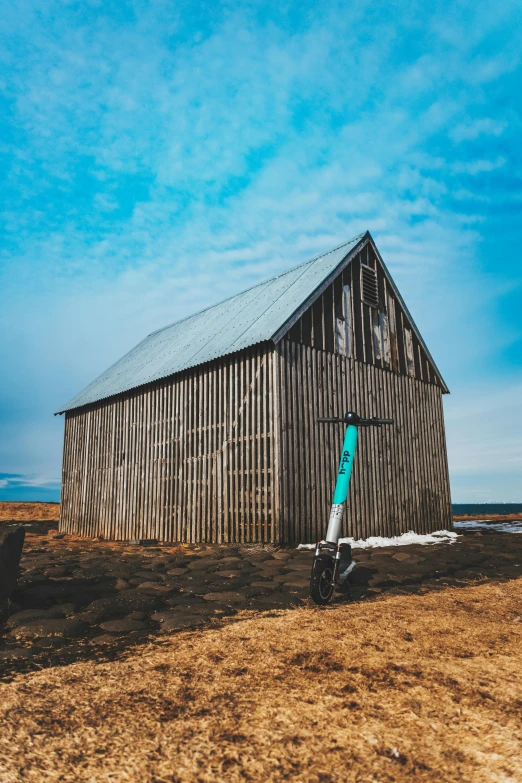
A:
{"x":341,"y":321}
{"x":191,"y":458}
{"x":400,"y":476}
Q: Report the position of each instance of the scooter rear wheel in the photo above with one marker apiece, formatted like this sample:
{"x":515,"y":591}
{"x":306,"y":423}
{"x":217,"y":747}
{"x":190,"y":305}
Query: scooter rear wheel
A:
{"x":321,"y":582}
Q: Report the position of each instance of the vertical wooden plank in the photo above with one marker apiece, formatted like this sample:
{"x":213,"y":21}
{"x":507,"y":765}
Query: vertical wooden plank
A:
{"x":347,"y":310}
{"x":310,"y":446}
{"x":236,"y":494}
{"x":264,"y":429}
{"x":385,"y":337}
{"x":359,"y":351}
{"x":293,"y":453}
{"x":276,"y":423}
{"x":178,"y":467}
{"x":410,"y":362}
{"x":317,"y":323}
{"x":377,"y":338}
{"x":394,"y":352}
{"x":182,"y":471}
{"x":329,"y":319}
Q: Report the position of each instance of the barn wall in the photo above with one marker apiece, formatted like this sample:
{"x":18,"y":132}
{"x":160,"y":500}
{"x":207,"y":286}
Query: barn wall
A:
{"x":400,"y":477}
{"x":191,"y":458}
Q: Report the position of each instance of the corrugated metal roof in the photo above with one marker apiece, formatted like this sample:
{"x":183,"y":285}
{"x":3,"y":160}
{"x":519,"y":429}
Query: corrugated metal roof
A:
{"x":248,"y":318}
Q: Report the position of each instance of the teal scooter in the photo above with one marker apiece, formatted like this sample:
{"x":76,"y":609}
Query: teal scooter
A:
{"x":333,"y":561}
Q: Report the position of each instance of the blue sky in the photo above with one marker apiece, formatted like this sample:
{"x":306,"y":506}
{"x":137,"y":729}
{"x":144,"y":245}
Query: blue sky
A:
{"x":157,"y":157}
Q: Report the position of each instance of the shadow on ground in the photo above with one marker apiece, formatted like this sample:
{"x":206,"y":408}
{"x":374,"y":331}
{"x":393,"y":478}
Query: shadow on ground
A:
{"x":79,"y":599}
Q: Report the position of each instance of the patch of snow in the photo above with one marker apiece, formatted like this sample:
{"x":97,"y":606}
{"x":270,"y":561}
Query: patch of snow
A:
{"x":438,"y":537}
{"x":514,"y":526}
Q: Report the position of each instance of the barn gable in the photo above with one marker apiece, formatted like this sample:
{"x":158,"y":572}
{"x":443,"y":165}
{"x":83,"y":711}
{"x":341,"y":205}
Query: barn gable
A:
{"x":293,"y":303}
{"x":360,"y":314}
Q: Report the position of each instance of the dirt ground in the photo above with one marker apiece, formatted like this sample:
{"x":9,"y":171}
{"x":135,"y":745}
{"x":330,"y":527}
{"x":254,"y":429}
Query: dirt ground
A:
{"x":29,"y":512}
{"x":400,"y":688}
{"x":417,"y":678}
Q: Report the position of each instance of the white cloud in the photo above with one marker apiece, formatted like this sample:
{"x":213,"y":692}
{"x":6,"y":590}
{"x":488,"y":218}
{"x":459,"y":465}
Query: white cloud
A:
{"x":478,"y":166}
{"x":479,"y":127}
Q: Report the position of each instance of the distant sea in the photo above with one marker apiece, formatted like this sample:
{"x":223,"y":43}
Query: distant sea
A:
{"x":480,"y":509}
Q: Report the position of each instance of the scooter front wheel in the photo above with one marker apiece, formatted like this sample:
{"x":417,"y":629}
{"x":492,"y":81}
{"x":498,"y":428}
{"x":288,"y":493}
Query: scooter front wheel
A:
{"x":321,"y":581}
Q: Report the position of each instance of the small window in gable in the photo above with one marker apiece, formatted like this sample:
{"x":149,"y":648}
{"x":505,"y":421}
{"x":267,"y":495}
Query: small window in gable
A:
{"x":370,"y":290}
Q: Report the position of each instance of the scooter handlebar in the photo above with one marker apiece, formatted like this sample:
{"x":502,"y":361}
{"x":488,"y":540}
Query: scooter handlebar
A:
{"x":356,"y":421}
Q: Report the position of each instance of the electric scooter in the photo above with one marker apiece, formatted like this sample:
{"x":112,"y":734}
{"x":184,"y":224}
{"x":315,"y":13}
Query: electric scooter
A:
{"x":333,"y":561}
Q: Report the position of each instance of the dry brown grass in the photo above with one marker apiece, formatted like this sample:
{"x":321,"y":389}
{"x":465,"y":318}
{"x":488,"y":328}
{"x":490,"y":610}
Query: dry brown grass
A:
{"x":487,"y":517}
{"x":417,"y":688}
{"x":27,"y":512}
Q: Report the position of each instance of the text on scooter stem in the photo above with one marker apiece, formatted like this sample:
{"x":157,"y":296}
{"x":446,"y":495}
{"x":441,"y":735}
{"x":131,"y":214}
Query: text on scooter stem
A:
{"x":345,"y":458}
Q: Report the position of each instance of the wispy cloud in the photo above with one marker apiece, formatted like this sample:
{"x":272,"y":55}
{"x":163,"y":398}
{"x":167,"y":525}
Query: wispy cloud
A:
{"x":160,"y":160}
{"x":479,"y":127}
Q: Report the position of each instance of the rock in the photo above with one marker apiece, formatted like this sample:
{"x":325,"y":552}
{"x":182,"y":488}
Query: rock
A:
{"x":166,"y":614}
{"x":273,"y":567}
{"x":119,"y":573}
{"x":276,"y":600}
{"x":29,"y":615}
{"x":383,"y":580}
{"x":68,"y":629}
{"x":267,"y":586}
{"x":401,"y":556}
{"x":210,"y":609}
{"x":227,"y":597}
{"x":181,"y":621}
{"x":121,"y":584}
{"x":185,"y":599}
{"x":123,"y":626}
{"x":296,"y":571}
{"x":11,"y":545}
{"x":48,"y":642}
{"x":297,"y":584}
{"x":56,"y":572}
{"x":120,"y":605}
{"x":227,"y":574}
{"x":258,"y":557}
{"x":16,"y":653}
{"x":155,"y":588}
{"x":149,"y":576}
{"x":176,"y":571}
{"x":103,"y":588}
{"x":360,"y":576}
{"x":66,"y":609}
{"x":204,"y":564}
{"x":105,"y":638}
{"x":38,"y":596}
{"x":136,"y":616}
{"x":250,"y":591}
{"x":196,"y":588}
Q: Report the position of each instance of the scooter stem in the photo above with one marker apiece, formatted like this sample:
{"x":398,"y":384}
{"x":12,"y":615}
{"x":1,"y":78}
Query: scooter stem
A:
{"x":342,"y":484}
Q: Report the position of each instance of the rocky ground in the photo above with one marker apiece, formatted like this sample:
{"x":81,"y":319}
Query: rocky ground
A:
{"x":79,"y":599}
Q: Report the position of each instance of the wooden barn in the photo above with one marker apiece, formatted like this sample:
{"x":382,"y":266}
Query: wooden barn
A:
{"x":206,"y":431}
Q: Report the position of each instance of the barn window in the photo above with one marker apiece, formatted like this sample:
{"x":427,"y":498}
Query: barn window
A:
{"x":370,"y":290}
